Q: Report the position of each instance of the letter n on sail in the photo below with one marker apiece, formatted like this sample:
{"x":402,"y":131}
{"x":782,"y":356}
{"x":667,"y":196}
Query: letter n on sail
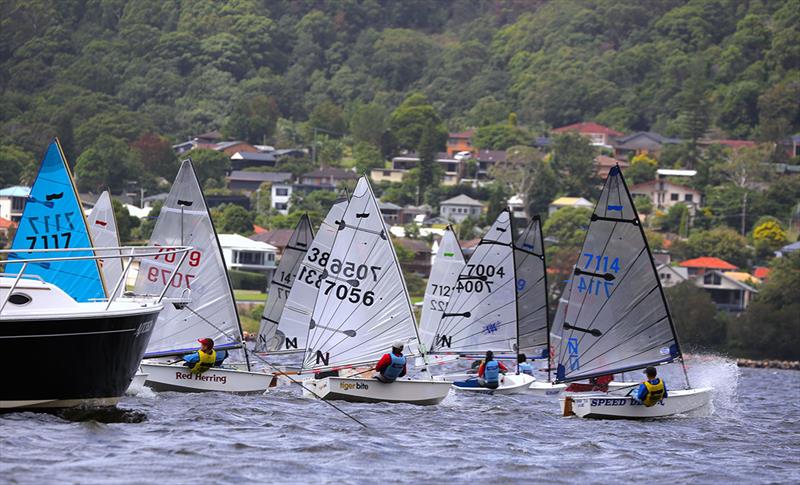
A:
{"x":323,"y":358}
{"x":444,"y":341}
{"x":291,"y":343}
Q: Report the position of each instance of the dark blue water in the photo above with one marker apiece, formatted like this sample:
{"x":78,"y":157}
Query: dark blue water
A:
{"x":751,"y":436}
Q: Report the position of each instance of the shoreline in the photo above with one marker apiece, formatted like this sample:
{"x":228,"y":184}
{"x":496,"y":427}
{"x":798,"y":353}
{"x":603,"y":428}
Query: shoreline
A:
{"x":769,"y":364}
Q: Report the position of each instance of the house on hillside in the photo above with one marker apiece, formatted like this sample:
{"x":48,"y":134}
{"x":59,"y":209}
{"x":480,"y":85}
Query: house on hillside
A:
{"x":642,"y":143}
{"x":7,"y":227}
{"x":277,"y":238}
{"x":671,"y":275}
{"x":665,"y":194}
{"x":242,"y":160}
{"x":598,"y":134}
{"x":392,"y":175}
{"x":603,"y":165}
{"x":327,"y":178}
{"x":390,"y":212}
{"x":568,"y":202}
{"x":699,"y":266}
{"x":12,"y":202}
{"x":452,"y":168}
{"x":250,"y":181}
{"x":245,"y":254}
{"x":421,"y":263}
{"x":460,"y":142}
{"x":727,"y":292}
{"x":231,"y":148}
{"x":486,"y":159}
{"x":517,"y":205}
{"x":281,"y":196}
{"x":460,"y":207}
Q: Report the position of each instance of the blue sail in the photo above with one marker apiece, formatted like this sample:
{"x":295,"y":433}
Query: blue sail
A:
{"x":53,"y":218}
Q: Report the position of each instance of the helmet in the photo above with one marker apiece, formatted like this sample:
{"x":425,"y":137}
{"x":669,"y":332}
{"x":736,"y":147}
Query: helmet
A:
{"x":398,"y":344}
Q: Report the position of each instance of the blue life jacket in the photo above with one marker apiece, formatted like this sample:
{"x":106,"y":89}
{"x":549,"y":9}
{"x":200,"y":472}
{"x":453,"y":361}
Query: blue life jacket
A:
{"x":526,"y":368}
{"x":395,"y":368}
{"x":491,"y":371}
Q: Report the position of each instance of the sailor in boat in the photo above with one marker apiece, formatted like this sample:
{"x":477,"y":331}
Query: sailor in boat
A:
{"x":523,"y":365}
{"x":392,"y":365}
{"x":653,"y":390}
{"x":489,"y":371}
{"x":205,"y":358}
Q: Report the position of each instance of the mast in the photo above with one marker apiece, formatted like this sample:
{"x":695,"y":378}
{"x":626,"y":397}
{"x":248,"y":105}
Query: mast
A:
{"x":516,"y":283}
{"x":546,"y":294}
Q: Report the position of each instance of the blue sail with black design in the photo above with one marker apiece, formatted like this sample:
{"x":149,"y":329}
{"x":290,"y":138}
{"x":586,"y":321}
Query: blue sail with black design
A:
{"x":53,"y":219}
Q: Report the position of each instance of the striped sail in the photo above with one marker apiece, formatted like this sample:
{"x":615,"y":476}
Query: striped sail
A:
{"x":616,"y":317}
{"x":362,"y":306}
{"x":281,"y":285}
{"x":482,"y":313}
{"x":446,"y":267}
{"x":296,"y":317}
{"x":103,"y":226}
{"x":531,"y":274}
{"x":184,"y":220}
{"x":53,"y":219}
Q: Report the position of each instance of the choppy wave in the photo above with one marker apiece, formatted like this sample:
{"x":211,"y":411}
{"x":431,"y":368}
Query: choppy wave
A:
{"x":279,"y":437}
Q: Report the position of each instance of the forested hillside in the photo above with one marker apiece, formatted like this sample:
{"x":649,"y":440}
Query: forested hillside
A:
{"x":80,"y":69}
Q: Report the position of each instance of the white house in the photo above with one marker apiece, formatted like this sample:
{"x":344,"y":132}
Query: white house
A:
{"x":12,"y":202}
{"x":568,"y":202}
{"x":517,"y":206}
{"x":728,"y":293}
{"x":280,"y":195}
{"x":671,"y":275}
{"x":459,"y":208}
{"x":665,"y":194}
{"x":244,"y":254}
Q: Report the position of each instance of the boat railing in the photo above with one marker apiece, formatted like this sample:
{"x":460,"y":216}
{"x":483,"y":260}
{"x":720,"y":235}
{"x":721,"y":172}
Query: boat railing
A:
{"x":127,"y":253}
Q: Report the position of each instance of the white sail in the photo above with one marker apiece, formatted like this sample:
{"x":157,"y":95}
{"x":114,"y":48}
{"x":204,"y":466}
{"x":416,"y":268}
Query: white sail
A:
{"x":482,"y":313}
{"x":362,"y":305}
{"x":441,"y":285}
{"x":103,"y":226}
{"x":616,"y":317}
{"x":281,"y":284}
{"x":531,"y":274}
{"x":184,"y":220}
{"x":296,"y":317}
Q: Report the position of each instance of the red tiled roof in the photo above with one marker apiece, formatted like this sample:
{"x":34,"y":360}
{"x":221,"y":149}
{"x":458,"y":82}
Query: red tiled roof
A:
{"x":588,"y":127}
{"x":415,"y":245}
{"x":462,"y":134}
{"x":707,"y":262}
{"x":277,"y":237}
{"x":259,"y":229}
{"x":6,"y":224}
{"x":606,"y":161}
{"x":761,"y":272}
{"x":733,"y":143}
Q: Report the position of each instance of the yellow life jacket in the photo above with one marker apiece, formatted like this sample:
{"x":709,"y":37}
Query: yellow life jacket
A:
{"x":655,"y":393}
{"x":206,"y":361}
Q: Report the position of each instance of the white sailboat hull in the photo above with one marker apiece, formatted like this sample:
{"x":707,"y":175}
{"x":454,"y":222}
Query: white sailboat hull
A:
{"x":165,"y":377}
{"x":359,"y":389}
{"x":605,"y":406}
{"x":546,"y":389}
{"x":509,"y":384}
{"x":137,"y":383}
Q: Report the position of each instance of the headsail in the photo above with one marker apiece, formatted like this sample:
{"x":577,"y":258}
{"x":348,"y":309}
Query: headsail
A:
{"x":441,"y":285}
{"x":532,"y":301}
{"x":616,"y":317}
{"x":362,"y":305}
{"x":184,"y":220}
{"x":281,"y":284}
{"x":296,"y":317}
{"x":53,"y":219}
{"x":103,"y":226}
{"x":482,"y":313}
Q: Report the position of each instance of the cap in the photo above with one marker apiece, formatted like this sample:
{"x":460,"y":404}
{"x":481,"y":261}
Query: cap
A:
{"x":206,"y":341}
{"x":398,"y":344}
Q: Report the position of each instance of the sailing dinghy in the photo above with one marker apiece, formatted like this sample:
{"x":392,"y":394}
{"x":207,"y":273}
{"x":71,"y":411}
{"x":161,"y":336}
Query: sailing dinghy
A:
{"x":617,"y":319}
{"x":184,"y":220}
{"x":483,"y":314}
{"x":361,"y":308}
{"x":269,"y":337}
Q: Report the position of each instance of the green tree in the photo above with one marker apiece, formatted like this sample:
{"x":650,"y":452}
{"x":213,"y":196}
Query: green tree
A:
{"x":209,"y":164}
{"x":671,"y":221}
{"x":14,"y":162}
{"x":568,"y":225}
{"x":253,"y":119}
{"x":500,"y":137}
{"x":695,"y":317}
{"x":429,"y":172}
{"x":368,"y":123}
{"x":643,"y":204}
{"x":329,"y":117}
{"x":572,"y":157}
{"x":643,"y":169}
{"x":367,"y":157}
{"x":125,"y":221}
{"x":155,"y":155}
{"x":768,"y":236}
{"x":413,"y":117}
{"x":720,"y":242}
{"x":236,"y":219}
{"x":466,"y":229}
{"x":105,"y":164}
{"x":145,"y":229}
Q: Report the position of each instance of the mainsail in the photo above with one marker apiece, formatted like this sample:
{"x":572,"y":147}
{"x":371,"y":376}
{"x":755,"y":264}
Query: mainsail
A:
{"x":447,"y":266}
{"x":532,"y":301}
{"x":296,"y":317}
{"x":482,"y":313}
{"x":53,"y":219}
{"x":616,"y":316}
{"x":281,"y":285}
{"x":362,"y":305}
{"x":103,"y":226}
{"x":184,"y":220}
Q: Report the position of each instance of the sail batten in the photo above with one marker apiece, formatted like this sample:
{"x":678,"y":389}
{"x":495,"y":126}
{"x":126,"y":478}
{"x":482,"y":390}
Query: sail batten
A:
{"x":362,"y":304}
{"x":614,"y":316}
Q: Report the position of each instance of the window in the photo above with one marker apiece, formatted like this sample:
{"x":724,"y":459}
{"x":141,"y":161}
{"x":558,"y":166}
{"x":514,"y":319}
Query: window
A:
{"x":712,"y":279}
{"x":281,"y":206}
{"x":688,"y":198}
{"x":282,"y":192}
{"x":674,"y":196}
{"x":17,"y":204}
{"x":387,"y":173}
{"x":250,"y":257}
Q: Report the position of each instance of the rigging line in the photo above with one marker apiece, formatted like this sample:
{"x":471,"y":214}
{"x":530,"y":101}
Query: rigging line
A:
{"x":621,"y":318}
{"x":639,"y":332}
{"x":636,"y":366}
{"x":616,"y":287}
{"x":459,"y":321}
